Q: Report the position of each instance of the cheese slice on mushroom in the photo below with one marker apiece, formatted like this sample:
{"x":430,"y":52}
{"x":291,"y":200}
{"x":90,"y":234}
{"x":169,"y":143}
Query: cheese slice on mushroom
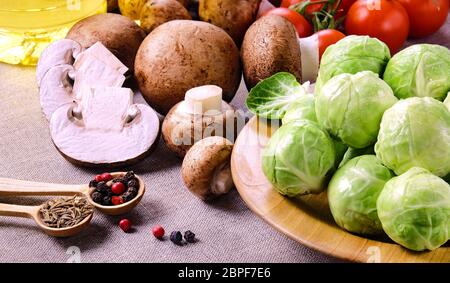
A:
{"x":93,"y":72}
{"x":99,"y":51}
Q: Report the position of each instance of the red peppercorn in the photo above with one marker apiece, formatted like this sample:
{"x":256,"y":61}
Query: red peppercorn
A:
{"x":98,"y":178}
{"x":118,"y":188}
{"x":106,"y":177}
{"x":158,"y":231}
{"x":115,"y":200}
{"x":125,"y":225}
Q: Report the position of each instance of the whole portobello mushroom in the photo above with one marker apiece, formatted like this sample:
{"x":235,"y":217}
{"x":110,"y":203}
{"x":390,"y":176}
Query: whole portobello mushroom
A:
{"x":182,"y":54}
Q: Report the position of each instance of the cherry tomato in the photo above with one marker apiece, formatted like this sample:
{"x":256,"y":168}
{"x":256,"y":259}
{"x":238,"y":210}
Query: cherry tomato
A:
{"x":425,"y":16}
{"x":328,"y":37}
{"x":302,"y":26}
{"x":386,"y":20}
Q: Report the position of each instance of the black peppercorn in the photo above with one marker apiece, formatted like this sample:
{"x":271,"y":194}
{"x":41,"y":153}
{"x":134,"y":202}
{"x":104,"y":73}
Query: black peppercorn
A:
{"x":97,"y":197}
{"x":128,"y":176}
{"x":93,"y":184}
{"x":176,"y":237}
{"x":117,"y":180}
{"x":127,"y":197}
{"x":106,"y":200}
{"x":133,"y":183}
{"x":102,"y":188}
{"x":189,"y":236}
{"x":132,"y":190}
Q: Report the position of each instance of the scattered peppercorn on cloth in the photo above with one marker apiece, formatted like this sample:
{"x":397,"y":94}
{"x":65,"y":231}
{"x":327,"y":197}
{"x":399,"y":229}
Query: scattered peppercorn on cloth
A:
{"x":227,"y":230}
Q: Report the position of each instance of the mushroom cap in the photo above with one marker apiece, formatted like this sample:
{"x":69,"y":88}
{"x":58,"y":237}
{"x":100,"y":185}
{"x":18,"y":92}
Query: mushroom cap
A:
{"x":60,"y":52}
{"x":96,"y":148}
{"x":156,"y":12}
{"x":56,"y":89}
{"x":234,"y":16}
{"x":201,"y":165}
{"x":270,"y":46}
{"x":121,"y":35}
{"x":181,"y":130}
{"x":182,"y":54}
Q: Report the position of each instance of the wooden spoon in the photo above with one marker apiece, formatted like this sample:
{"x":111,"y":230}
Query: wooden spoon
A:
{"x":11,"y":187}
{"x":33,"y":212}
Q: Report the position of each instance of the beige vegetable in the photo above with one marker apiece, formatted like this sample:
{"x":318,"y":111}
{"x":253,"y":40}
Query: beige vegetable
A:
{"x":270,"y":46}
{"x":206,"y":168}
{"x":180,"y":55}
{"x":201,"y":114}
{"x":234,"y":16}
{"x":119,"y":34}
{"x":156,"y":12}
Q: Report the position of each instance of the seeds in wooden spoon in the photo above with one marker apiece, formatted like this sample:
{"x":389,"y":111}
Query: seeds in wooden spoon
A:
{"x":65,"y":212}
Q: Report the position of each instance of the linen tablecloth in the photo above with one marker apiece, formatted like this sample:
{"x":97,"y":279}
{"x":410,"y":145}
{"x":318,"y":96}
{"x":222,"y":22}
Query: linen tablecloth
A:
{"x":227,"y":230}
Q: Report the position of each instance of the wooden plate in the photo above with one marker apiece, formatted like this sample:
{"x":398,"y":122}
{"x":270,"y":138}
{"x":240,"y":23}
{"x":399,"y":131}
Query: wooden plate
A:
{"x":308,"y":219}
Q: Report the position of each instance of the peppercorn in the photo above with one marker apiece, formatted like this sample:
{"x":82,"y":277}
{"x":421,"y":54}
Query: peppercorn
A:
{"x":105,"y":177}
{"x":176,"y":238}
{"x":97,"y":197}
{"x":115,"y":200}
{"x":102,"y":188}
{"x":127,"y":197}
{"x":128,"y":176}
{"x":133,"y":183}
{"x":189,"y":236}
{"x":133,"y":191}
{"x":93,"y":184}
{"x":125,"y":225}
{"x":106,"y":200}
{"x":117,"y":180}
{"x":118,"y":188}
{"x":158,"y":232}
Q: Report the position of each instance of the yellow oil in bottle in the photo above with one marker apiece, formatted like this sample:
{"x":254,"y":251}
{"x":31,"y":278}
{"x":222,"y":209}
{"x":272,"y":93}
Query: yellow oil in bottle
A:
{"x":28,"y":26}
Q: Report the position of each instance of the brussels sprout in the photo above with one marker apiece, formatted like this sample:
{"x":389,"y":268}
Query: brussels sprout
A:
{"x":353,"y":192}
{"x":415,"y":132}
{"x":271,"y":97}
{"x":302,"y":108}
{"x":351,"y":55}
{"x":420,"y":70}
{"x":299,"y":158}
{"x":414,"y":209}
{"x":355,"y":152}
{"x":350,"y":107}
{"x":447,"y":101}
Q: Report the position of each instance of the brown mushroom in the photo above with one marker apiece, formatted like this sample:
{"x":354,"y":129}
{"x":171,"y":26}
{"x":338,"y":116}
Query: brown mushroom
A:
{"x":234,"y":16}
{"x":206,"y":168}
{"x":112,"y":5}
{"x":156,"y":12}
{"x":182,"y":54}
{"x":119,"y":34}
{"x":203,"y":113}
{"x":270,"y":46}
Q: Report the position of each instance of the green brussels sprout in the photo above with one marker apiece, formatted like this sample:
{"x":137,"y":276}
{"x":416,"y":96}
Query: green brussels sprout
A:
{"x":420,"y":70}
{"x":302,"y":108}
{"x":299,"y":158}
{"x":415,"y":132}
{"x":447,"y":101}
{"x":414,"y":210}
{"x":353,"y":192}
{"x":350,"y":107}
{"x":353,"y":54}
{"x":351,"y":153}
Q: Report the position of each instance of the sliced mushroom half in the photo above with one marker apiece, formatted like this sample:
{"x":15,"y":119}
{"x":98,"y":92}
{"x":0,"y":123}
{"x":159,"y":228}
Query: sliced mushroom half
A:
{"x":106,"y":129}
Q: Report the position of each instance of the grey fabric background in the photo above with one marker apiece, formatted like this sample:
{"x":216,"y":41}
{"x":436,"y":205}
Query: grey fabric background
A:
{"x":228,"y":231}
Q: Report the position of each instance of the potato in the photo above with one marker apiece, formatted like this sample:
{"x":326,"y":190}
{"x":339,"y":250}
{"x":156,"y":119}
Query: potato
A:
{"x":234,"y":16}
{"x":182,"y":54}
{"x":119,"y":34}
{"x":157,"y":12}
{"x":131,"y":8}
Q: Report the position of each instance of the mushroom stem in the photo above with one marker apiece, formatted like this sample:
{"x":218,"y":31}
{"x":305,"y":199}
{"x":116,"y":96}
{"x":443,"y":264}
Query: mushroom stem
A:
{"x":222,"y":181}
{"x":132,"y":113}
{"x":309,"y":50}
